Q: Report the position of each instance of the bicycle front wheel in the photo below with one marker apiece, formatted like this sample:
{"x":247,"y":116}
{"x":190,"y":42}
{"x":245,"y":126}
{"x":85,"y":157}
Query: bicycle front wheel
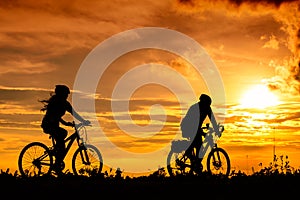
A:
{"x":218,"y":162}
{"x":87,"y":161}
{"x":35,"y":160}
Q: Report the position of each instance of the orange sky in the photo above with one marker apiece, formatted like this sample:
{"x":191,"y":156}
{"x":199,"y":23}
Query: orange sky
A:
{"x":251,"y":43}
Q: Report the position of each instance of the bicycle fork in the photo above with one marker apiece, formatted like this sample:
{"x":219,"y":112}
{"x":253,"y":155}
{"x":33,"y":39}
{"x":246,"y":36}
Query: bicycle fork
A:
{"x":217,"y":160}
{"x":84,"y":155}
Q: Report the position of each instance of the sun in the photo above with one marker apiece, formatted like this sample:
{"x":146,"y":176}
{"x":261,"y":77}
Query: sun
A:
{"x":259,"y":96}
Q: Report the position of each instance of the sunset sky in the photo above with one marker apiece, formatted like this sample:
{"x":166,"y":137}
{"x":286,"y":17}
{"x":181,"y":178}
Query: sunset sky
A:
{"x":253,"y":44}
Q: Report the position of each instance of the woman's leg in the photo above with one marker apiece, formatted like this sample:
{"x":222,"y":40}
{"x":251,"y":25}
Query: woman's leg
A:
{"x":59,"y":135}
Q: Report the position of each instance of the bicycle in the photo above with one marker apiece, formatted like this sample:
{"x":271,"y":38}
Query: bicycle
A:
{"x":37,"y":159}
{"x":181,"y":163}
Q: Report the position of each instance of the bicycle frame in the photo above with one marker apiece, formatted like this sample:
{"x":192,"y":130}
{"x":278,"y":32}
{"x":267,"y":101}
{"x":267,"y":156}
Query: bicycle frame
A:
{"x":37,"y":158}
{"x":179,"y":161}
{"x":209,"y":143}
{"x":69,"y":142}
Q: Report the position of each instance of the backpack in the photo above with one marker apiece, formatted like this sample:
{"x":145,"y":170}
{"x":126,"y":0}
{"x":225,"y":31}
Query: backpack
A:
{"x":190,"y":122}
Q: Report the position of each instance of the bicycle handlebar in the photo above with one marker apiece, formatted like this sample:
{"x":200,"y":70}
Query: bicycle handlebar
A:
{"x":78,"y":125}
{"x":207,"y":127}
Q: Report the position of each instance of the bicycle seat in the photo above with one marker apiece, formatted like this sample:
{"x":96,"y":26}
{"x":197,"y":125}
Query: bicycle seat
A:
{"x":52,"y":139}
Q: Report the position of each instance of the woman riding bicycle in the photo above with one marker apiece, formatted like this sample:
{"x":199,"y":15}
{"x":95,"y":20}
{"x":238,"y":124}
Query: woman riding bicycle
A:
{"x":56,"y":107}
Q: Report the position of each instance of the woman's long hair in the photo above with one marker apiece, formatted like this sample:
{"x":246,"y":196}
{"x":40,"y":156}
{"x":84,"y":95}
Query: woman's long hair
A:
{"x":59,"y":91}
{"x":46,"y":101}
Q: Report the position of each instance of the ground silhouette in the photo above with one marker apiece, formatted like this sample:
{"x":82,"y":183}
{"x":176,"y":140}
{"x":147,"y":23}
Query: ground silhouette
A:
{"x":264,"y":184}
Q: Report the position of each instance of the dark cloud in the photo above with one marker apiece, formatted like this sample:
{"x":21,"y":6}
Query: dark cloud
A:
{"x":287,"y":80}
{"x":276,"y":3}
{"x":240,"y":2}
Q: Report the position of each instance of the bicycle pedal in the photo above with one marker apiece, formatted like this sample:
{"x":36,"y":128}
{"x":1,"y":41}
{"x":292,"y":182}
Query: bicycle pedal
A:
{"x":58,"y":172}
{"x":179,"y":162}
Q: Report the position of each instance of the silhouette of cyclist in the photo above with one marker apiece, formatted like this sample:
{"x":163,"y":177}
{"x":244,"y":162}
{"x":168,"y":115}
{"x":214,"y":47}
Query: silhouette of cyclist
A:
{"x":56,"y":107}
{"x":191,"y":124}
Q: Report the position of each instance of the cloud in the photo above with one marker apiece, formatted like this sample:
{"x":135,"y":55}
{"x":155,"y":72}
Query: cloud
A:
{"x":258,"y":123}
{"x":20,"y":109}
{"x":272,"y":43}
{"x":21,"y":100}
{"x":59,"y":35}
{"x":25,"y":67}
{"x":286,"y":13}
{"x":287,"y":78}
{"x":231,"y":5}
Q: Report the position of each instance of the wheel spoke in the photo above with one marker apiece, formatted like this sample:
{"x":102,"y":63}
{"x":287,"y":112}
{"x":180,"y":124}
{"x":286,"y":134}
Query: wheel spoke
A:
{"x":35,"y":160}
{"x":87,"y":161}
{"x":218,"y":162}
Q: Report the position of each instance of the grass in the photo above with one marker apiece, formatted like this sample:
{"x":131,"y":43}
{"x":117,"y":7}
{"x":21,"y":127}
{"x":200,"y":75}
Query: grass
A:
{"x":276,"y":181}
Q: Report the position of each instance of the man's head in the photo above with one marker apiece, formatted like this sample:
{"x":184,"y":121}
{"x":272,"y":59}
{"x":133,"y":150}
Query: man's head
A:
{"x":205,"y":99}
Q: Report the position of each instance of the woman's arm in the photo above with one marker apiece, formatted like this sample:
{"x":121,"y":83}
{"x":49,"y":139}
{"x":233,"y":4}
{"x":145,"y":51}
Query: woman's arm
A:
{"x":75,"y":114}
{"x":65,"y":122}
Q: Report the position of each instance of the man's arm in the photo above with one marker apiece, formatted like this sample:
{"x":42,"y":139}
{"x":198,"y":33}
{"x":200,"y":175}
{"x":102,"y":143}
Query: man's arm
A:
{"x":214,"y":123}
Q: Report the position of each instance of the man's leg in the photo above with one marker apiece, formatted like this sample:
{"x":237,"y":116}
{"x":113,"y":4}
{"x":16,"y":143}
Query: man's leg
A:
{"x":198,"y":161}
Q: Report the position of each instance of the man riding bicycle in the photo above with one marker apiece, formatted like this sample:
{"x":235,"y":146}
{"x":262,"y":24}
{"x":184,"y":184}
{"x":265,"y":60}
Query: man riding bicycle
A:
{"x":191,"y":124}
{"x":56,"y":107}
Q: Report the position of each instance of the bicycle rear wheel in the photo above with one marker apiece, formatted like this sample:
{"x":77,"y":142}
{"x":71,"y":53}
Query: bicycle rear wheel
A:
{"x":35,"y":160}
{"x":87,"y":161}
{"x":178,"y":164}
{"x":218,"y":162}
